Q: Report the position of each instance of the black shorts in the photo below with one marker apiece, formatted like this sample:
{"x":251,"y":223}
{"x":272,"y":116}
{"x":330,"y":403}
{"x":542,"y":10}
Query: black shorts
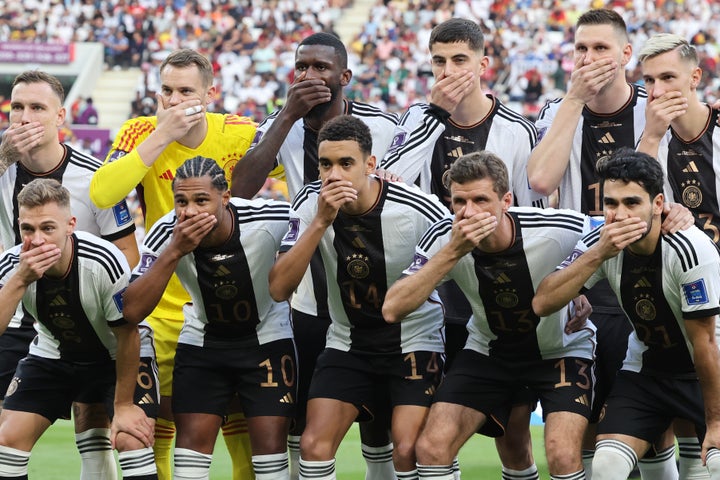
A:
{"x":264,"y":378}
{"x":147,"y":389}
{"x":643,"y":406}
{"x":14,"y":345}
{"x":493,"y":387}
{"x":402,"y":379}
{"x":310,"y":333}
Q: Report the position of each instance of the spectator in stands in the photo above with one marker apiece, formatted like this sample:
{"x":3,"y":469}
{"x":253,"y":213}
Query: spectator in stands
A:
{"x":88,"y":115}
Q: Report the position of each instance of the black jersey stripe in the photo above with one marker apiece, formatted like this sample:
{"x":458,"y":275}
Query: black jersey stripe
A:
{"x":592,"y":238}
{"x":269,"y":118}
{"x":546,"y":107}
{"x":685,"y":250}
{"x":159,"y":233}
{"x":305,"y":192}
{"x":417,"y":138}
{"x":8,"y":262}
{"x":402,"y":194}
{"x":103,"y":256}
{"x":539,"y":220}
{"x":360,"y":109}
{"x":512,"y":116}
{"x":406,"y":116}
{"x":434,"y":232}
{"x":84,"y":161}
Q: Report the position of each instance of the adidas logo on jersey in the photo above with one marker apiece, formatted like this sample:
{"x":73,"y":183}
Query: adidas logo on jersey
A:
{"x":167,"y":175}
{"x":287,"y":398}
{"x":690,"y":168}
{"x":358,"y":243}
{"x":503,"y":278}
{"x":583,"y":400}
{"x":222,"y":271}
{"x":455,"y":152}
{"x":58,"y":301}
{"x":607,"y":138}
{"x":642,"y":283}
{"x":146,"y":400}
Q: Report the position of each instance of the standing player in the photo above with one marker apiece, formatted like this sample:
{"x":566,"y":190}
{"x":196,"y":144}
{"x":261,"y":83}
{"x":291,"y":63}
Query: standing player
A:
{"x":669,"y":288}
{"x":71,"y":282}
{"x":287,"y":139}
{"x":498,"y":255}
{"x":144,"y":156}
{"x":461,"y":119}
{"x":30,"y":149}
{"x":364,"y":227}
{"x":235,"y":340}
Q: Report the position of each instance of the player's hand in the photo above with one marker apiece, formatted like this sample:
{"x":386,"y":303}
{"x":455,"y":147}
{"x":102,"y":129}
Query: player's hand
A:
{"x":19,"y":140}
{"x":711,"y":441}
{"x":174,"y":122}
{"x":616,"y":235}
{"x":131,"y":419}
{"x":660,"y":111}
{"x":586,"y":81}
{"x":677,"y":217}
{"x":580,"y":313}
{"x":468,"y":232}
{"x":304,"y":94}
{"x":334,"y":193}
{"x":449,"y":90}
{"x":35,"y":261}
{"x":189,"y":231}
{"x":386,"y":175}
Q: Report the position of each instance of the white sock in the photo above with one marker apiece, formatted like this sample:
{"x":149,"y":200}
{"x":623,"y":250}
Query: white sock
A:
{"x":96,"y":455}
{"x":137,"y":463}
{"x":435,"y":472}
{"x":411,"y":475}
{"x":660,"y":467}
{"x":379,"y":462}
{"x":691,"y":467}
{"x":13,"y":462}
{"x":294,"y":453}
{"x":613,"y":460}
{"x":191,"y":465}
{"x":321,"y":470}
{"x":530,"y":473}
{"x":570,"y":476}
{"x":587,"y":458}
{"x":712,"y":460}
{"x":271,"y":467}
{"x":456,"y":468}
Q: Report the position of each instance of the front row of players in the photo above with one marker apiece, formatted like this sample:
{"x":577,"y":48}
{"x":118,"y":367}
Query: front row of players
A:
{"x":384,"y":345}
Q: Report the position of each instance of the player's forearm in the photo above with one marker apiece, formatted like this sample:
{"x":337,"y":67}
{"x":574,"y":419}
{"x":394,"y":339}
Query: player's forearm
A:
{"x":10,"y":297}
{"x":408,"y":293}
{"x":112,"y":182}
{"x":290,"y":266}
{"x":127,"y":363}
{"x":7,"y":158}
{"x":707,"y":364}
{"x":252,"y":170}
{"x":550,"y":158}
{"x":144,"y":292}
{"x":649,"y":145}
{"x":128,"y":246}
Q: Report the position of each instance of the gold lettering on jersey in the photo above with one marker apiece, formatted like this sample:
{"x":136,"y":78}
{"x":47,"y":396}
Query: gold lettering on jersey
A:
{"x":691,"y":194}
{"x":689,"y":153}
{"x":357,"y":266}
{"x":459,"y":139}
{"x":645,"y":308}
{"x":606,"y":124}
{"x":144,"y":379}
{"x":506,"y":298}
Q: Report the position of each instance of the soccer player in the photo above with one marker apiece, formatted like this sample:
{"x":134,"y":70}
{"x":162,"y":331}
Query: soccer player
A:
{"x":31,"y":149}
{"x":461,"y":118}
{"x":235,"y":340}
{"x":600,"y":112}
{"x":71,"y":282}
{"x":669,"y":288}
{"x":364,"y":227}
{"x":497,"y":255}
{"x":287,"y":139}
{"x":145,"y":154}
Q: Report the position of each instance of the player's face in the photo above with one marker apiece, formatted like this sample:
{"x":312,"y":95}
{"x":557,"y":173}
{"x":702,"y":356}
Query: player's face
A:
{"x":37,"y":102}
{"x":343,"y":160}
{"x":478,"y":196}
{"x":320,"y":62}
{"x":48,"y":224}
{"x":630,"y":200}
{"x":594,"y":42}
{"x":456,"y":58}
{"x":196,"y":195}
{"x":668,"y":72}
{"x":184,"y":83}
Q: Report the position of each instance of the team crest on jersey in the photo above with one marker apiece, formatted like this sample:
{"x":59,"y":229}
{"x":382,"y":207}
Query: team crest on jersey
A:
{"x":357,"y":266}
{"x":695,"y":292}
{"x":397,"y":141}
{"x":12,"y":388}
{"x":122,"y":214}
{"x":506,"y":298}
{"x":146,"y":261}
{"x":293,"y":230}
{"x":645,"y":308}
{"x":571,"y":258}
{"x":116,"y":155}
{"x":691,"y":195}
{"x":226,"y":291}
{"x":117,"y":298}
{"x":417,"y":263}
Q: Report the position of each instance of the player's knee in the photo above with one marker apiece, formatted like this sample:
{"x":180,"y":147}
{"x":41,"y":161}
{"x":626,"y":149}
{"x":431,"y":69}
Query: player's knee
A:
{"x":127,"y":443}
{"x":404,"y":452}
{"x":316,"y":448}
{"x":429,"y":452}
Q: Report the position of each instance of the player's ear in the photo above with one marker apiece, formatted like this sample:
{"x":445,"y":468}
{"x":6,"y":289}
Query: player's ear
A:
{"x":345,"y":77}
{"x":371,"y":162}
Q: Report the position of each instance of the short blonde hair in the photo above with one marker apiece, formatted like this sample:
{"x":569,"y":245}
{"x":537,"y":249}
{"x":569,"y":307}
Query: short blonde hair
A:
{"x":667,"y":42}
{"x":42,"y":191}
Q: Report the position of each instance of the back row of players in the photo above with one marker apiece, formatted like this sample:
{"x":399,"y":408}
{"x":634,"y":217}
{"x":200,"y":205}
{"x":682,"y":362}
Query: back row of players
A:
{"x":351,"y":236}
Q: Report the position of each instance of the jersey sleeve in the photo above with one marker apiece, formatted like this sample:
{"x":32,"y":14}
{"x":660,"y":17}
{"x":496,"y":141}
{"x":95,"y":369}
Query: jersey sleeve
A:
{"x":524,"y":195}
{"x":155,"y":241}
{"x":699,"y":279}
{"x":300,"y":215}
{"x":111,"y":291}
{"x":123,"y":169}
{"x":580,"y":248}
{"x":546,"y":117}
{"x":437,"y":236}
{"x":414,"y":141}
{"x":278,"y":170}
